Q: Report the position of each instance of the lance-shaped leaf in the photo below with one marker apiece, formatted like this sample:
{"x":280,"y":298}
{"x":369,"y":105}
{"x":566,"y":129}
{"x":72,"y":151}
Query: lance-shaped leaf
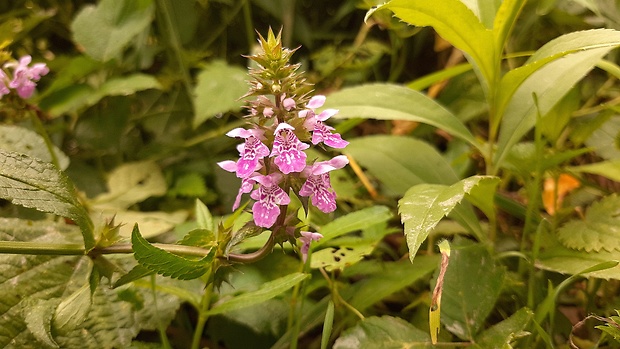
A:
{"x":32,"y":183}
{"x":382,"y":332}
{"x":395,"y":102}
{"x":600,"y":230}
{"x":166,"y":263}
{"x":267,"y":291}
{"x":424,"y":205}
{"x":457,"y":24}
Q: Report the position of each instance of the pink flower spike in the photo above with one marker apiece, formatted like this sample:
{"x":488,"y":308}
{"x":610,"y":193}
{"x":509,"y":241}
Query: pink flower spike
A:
{"x":269,"y":196}
{"x":306,"y":238}
{"x":4,"y":90}
{"x":288,"y":150}
{"x":316,"y":102}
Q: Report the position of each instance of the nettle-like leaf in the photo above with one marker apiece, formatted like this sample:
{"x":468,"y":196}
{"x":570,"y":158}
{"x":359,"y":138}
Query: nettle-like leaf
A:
{"x":502,"y":334}
{"x":42,"y":297}
{"x":424,"y":205}
{"x":106,"y":29}
{"x":218,"y":90}
{"x":22,"y":140}
{"x":32,"y":183}
{"x":166,"y":263}
{"x":382,"y":333}
{"x":600,"y":230}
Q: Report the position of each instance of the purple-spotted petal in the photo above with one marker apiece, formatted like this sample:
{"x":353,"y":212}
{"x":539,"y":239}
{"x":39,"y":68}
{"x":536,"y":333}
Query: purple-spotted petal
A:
{"x":316,"y":102}
{"x":335,"y":163}
{"x":269,"y":196}
{"x":288,"y":150}
{"x":322,"y":133}
{"x":319,"y":189}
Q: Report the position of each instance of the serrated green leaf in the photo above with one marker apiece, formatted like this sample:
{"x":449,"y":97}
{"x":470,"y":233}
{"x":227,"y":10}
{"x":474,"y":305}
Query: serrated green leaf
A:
{"x":138,"y":272}
{"x":199,"y":238}
{"x":457,"y":24}
{"x":563,"y":260}
{"x":218,"y":90}
{"x":168,"y":264}
{"x":267,"y":291}
{"x":21,"y":140}
{"x":32,"y":183}
{"x":106,"y":29}
{"x":384,"y":332}
{"x":424,"y":205}
{"x":38,"y":318}
{"x":599,"y":230}
{"x":73,"y":310}
{"x":503,"y":333}
{"x":395,"y":102}
{"x":608,"y":169}
{"x":471,"y":287}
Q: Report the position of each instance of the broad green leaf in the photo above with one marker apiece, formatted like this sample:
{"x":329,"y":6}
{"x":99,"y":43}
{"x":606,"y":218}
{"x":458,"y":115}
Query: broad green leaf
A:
{"x":199,"y":238}
{"x":106,"y":29}
{"x":457,"y":24}
{"x":393,"y":277}
{"x":131,"y":183}
{"x":501,"y":335}
{"x":605,"y":139}
{"x":151,"y":223}
{"x":555,"y":49}
{"x":549,"y":79}
{"x":395,"y":102}
{"x":599,"y":230}
{"x":471,"y":287}
{"x":219,"y":89}
{"x":564,"y":260}
{"x":203,"y":216}
{"x":168,"y":264}
{"x":267,"y":291}
{"x":424,"y":205}
{"x":608,"y":169}
{"x":354,"y":221}
{"x":484,"y":9}
{"x":22,"y":140}
{"x":32,"y":183}
{"x":384,"y":332}
{"x":33,"y":286}
{"x":189,"y":185}
{"x":430,"y":79}
{"x":138,"y":272}
{"x":401,"y":162}
{"x":73,"y":310}
{"x":71,"y":73}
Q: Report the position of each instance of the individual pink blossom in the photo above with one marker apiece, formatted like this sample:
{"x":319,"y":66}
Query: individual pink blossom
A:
{"x":268,"y":112}
{"x":288,"y":149}
{"x":288,"y":103}
{"x":269,"y":196}
{"x":315,"y":123}
{"x":250,"y":152}
{"x":322,"y":133}
{"x":318,"y":186}
{"x":25,"y":76}
{"x":306,"y":238}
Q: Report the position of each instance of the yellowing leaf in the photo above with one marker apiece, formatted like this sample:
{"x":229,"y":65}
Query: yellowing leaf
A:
{"x":565,"y":184}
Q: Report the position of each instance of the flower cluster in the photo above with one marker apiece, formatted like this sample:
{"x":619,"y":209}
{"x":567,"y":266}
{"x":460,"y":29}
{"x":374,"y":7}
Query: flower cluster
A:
{"x":273,"y":163}
{"x":23,"y":77}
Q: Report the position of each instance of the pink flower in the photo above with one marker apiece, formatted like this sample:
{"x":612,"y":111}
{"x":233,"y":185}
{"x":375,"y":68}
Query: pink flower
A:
{"x":288,"y":103}
{"x":322,"y":133}
{"x":24,"y":76}
{"x":318,"y":186}
{"x":288,"y":149}
{"x":315,"y":124}
{"x":250,"y":152}
{"x":306,"y":238}
{"x":268,"y":197}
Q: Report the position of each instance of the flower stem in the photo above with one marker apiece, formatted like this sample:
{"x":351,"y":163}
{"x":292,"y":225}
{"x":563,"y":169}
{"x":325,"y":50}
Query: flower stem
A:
{"x":203,"y":316}
{"x":254,"y":256}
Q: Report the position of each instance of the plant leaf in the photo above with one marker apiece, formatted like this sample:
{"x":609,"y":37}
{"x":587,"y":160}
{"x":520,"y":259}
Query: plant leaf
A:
{"x":471,"y":287}
{"x":219,"y":89}
{"x":22,"y":140}
{"x":424,"y":205}
{"x":608,"y":169}
{"x":561,"y":259}
{"x":395,"y":102}
{"x":600,"y":230}
{"x":457,"y":24}
{"x":267,"y":291}
{"x":106,"y":29}
{"x":32,"y":183}
{"x":382,"y":333}
{"x":357,"y":220}
{"x":504,"y":21}
{"x":503,"y":333}
{"x":38,"y":318}
{"x":168,"y":264}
